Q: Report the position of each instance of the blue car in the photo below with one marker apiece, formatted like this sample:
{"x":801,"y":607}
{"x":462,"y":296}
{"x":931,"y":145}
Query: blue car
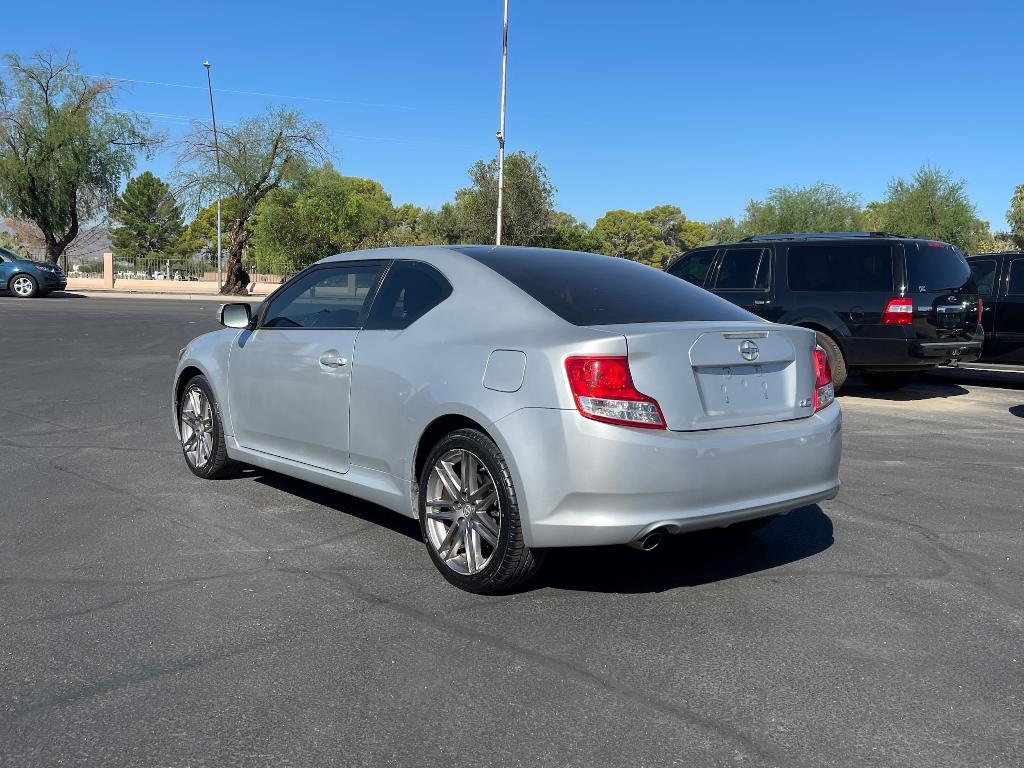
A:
{"x":26,"y":278}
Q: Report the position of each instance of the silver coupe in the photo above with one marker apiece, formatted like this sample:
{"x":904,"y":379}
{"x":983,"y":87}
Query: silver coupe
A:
{"x":515,"y":399}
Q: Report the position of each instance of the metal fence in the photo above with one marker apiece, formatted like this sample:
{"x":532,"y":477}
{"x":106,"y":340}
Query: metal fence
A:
{"x":157,"y":268}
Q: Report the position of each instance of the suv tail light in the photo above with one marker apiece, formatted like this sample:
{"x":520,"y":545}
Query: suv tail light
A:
{"x":981,"y":308}
{"x":824,"y":393}
{"x":603,"y":390}
{"x":898,"y":312}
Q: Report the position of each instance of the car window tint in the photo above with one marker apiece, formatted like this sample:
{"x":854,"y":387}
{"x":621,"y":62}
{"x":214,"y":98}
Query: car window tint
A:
{"x":743,"y":269}
{"x":410,"y":290}
{"x":935,"y":266}
{"x":1015,"y":285}
{"x":589,"y":289}
{"x":693,"y":267}
{"x":326,"y":297}
{"x":984,"y":271}
{"x":841,"y":267}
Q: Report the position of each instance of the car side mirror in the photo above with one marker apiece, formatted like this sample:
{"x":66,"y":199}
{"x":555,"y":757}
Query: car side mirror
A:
{"x":235,"y":315}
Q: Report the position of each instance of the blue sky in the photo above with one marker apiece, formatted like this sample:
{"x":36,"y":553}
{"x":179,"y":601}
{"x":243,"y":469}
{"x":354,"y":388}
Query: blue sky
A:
{"x":630,"y":105}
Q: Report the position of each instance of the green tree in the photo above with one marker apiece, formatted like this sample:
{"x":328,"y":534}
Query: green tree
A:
{"x":200,"y":236}
{"x":819,"y":207}
{"x":631,"y":236}
{"x":570,"y":234}
{"x":724,"y":230}
{"x":149,"y":219}
{"x":528,"y":206}
{"x":326,"y":213}
{"x":932,"y":204}
{"x":257,"y":156}
{"x":1015,"y":217}
{"x":64,"y":147}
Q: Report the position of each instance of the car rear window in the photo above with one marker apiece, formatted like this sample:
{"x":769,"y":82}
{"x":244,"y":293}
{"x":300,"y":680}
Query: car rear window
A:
{"x":935,"y":266}
{"x":589,"y":289}
{"x":841,"y":267}
{"x":1015,"y":285}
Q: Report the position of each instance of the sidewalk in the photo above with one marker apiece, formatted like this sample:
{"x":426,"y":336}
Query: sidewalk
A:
{"x":107,"y":293}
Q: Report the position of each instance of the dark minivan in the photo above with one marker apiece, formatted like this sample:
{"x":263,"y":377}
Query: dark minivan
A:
{"x":1000,"y":278}
{"x":884,"y":307}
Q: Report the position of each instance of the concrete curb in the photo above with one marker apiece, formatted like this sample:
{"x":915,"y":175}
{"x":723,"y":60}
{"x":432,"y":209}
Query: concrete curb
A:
{"x":212,"y":298}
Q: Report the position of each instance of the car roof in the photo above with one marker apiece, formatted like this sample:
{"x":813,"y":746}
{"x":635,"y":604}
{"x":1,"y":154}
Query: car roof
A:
{"x":997,"y":253}
{"x":790,"y":236}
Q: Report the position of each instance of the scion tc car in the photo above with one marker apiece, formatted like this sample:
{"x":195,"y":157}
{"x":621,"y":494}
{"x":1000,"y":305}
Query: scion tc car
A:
{"x":26,"y":278}
{"x":515,"y":399}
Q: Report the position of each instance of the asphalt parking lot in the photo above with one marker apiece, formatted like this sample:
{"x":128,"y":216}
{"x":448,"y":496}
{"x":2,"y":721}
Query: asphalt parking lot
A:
{"x":148,"y":618}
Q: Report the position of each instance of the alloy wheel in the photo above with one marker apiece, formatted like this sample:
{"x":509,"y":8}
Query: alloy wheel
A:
{"x":22,"y":286}
{"x":197,"y":428}
{"x":463,"y":515}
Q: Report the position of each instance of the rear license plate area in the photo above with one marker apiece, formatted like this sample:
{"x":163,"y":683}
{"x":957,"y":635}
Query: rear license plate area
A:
{"x":949,"y":321}
{"x":743,"y":389}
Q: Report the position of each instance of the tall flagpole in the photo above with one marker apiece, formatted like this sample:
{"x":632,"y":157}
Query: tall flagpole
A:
{"x":501,"y":129}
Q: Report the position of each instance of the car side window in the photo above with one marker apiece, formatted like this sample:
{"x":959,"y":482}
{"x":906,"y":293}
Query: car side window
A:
{"x":693,"y":267}
{"x":744,"y":269}
{"x":326,"y":297}
{"x":860,"y":268}
{"x":984,"y":271}
{"x":1015,"y":283}
{"x":410,"y":290}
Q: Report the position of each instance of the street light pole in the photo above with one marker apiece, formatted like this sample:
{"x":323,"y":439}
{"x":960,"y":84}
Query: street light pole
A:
{"x":216,"y":152}
{"x":501,"y":129}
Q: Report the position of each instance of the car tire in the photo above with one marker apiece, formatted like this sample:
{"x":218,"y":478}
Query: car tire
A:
{"x":23,"y":286}
{"x":201,"y":432}
{"x":836,"y":360}
{"x":743,"y":527}
{"x":889,"y":381}
{"x":474,"y":549}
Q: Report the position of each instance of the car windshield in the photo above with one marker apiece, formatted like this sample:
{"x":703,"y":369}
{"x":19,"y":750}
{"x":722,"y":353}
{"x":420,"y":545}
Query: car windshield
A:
{"x":935,"y":266}
{"x":589,"y":289}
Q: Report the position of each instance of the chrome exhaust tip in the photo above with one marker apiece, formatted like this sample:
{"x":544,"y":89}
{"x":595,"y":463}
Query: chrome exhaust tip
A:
{"x":648,"y":542}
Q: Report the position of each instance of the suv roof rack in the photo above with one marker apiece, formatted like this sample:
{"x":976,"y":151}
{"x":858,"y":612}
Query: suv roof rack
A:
{"x":816,"y":236}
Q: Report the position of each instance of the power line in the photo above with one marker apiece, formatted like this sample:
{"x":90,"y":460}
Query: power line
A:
{"x":264,"y":94}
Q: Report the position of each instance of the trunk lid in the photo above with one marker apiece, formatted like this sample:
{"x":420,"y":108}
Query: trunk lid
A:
{"x":710,"y":375}
{"x":945,"y":295}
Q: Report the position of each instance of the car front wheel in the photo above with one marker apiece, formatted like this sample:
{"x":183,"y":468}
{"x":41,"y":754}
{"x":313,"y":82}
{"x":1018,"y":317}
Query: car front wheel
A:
{"x":202,"y":432}
{"x":24,"y":286}
{"x":469,"y":516}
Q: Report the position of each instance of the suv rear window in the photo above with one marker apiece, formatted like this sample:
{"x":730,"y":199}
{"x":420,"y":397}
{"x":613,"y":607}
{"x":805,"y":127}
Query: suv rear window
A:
{"x":936,"y":266}
{"x":588,"y":289}
{"x":841,"y":267}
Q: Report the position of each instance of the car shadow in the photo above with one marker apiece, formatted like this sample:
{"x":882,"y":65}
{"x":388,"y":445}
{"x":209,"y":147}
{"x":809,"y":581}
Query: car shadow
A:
{"x":1017,"y":410}
{"x":67,"y":295}
{"x":338,"y":501}
{"x":920,"y":390}
{"x":684,"y":560}
{"x":688,"y":559}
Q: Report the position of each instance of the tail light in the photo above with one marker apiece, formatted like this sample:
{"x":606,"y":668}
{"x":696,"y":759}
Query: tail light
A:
{"x":824,"y":393}
{"x":603,"y":390}
{"x":898,"y":312}
{"x":981,"y":308}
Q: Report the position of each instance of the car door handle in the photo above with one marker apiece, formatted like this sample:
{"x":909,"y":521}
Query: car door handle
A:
{"x":333,"y":360}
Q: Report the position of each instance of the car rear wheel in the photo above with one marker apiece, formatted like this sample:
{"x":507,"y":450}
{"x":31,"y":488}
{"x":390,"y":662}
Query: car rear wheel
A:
{"x":836,"y":361}
{"x":202,"y":432}
{"x":24,"y":286}
{"x":469,"y":516}
{"x":889,"y":381}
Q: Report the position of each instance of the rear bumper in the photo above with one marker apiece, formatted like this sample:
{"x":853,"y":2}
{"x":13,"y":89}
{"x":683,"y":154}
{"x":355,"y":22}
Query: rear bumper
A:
{"x":581,"y":482}
{"x":896,"y":353}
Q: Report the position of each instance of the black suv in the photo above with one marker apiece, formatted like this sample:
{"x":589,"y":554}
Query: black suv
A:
{"x":884,"y":307}
{"x":1000,"y":278}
